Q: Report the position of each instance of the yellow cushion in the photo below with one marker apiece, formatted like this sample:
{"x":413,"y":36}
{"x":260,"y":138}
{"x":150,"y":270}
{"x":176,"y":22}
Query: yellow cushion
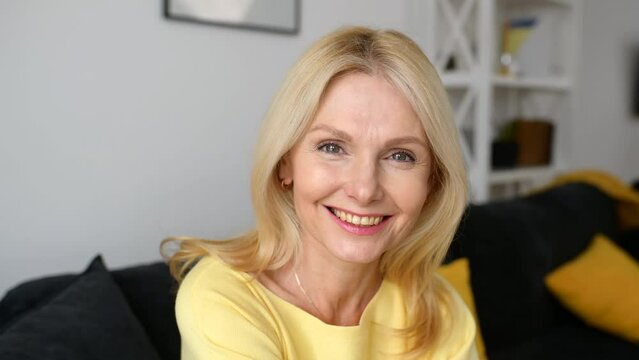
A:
{"x":601,"y":286}
{"x":457,"y":273}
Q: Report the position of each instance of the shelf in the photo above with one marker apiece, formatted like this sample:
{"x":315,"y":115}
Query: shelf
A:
{"x":549,"y":84}
{"x":562,"y":3}
{"x":507,"y":176}
{"x":454,"y":80}
{"x":482,"y":99}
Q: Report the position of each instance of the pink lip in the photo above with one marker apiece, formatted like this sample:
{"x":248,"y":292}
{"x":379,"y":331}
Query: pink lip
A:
{"x":358,"y":230}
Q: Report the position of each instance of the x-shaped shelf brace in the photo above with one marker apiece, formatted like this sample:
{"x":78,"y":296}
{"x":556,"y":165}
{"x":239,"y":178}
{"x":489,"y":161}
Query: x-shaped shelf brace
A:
{"x":456,"y":38}
{"x":461,"y":117}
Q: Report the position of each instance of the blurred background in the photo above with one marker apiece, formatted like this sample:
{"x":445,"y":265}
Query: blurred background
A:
{"x":119,"y":127}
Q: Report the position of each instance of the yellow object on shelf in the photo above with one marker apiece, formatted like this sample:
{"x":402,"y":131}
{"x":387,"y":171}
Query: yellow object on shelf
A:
{"x":515,"y":34}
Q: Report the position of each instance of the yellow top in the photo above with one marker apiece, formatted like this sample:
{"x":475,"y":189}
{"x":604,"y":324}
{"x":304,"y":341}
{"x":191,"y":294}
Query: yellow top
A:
{"x":223,"y":313}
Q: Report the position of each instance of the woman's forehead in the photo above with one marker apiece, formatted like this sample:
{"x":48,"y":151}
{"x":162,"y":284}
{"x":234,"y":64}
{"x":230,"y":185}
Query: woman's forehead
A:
{"x":362,"y":104}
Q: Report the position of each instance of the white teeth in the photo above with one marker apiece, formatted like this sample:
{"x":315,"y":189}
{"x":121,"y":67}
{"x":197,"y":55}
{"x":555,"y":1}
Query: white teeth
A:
{"x":357,"y":220}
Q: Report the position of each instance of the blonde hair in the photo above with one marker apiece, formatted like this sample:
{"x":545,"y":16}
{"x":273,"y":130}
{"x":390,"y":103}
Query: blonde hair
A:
{"x":274,"y":242}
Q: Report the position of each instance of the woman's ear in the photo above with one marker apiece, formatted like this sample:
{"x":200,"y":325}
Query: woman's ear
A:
{"x":285,"y":170}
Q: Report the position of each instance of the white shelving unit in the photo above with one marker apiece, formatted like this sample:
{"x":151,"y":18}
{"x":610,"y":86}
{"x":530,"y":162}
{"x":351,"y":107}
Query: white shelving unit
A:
{"x":519,"y":174}
{"x":548,"y":83}
{"x":469,"y":31}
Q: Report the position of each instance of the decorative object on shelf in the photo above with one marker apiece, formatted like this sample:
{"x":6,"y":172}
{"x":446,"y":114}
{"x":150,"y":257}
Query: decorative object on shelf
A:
{"x":523,"y":143}
{"x":281,"y":16}
{"x":505,"y":148}
{"x":534,"y":139}
{"x":504,"y":154}
{"x":515,"y":33}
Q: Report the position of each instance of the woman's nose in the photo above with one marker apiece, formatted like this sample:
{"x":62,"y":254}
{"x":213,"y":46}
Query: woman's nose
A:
{"x":363,"y":183}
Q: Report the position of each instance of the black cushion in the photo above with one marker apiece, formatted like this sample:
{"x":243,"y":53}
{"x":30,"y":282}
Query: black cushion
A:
{"x":150,"y":291}
{"x":512,"y":245}
{"x":573,"y":341}
{"x":29,"y":295}
{"x":629,"y":241}
{"x":90,"y":319}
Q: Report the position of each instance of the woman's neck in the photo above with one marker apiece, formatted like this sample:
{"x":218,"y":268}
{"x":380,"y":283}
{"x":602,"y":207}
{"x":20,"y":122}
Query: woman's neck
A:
{"x":332,"y":290}
{"x":339,"y":294}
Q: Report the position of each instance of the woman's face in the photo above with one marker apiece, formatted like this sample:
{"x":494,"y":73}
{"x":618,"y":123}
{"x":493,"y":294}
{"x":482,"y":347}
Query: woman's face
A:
{"x":360,"y":174}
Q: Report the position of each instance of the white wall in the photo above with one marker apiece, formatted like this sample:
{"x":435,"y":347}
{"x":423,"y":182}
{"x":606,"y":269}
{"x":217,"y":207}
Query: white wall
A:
{"x":605,"y":135}
{"x":118,"y":127}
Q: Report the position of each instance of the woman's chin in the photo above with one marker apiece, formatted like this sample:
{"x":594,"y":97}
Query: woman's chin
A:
{"x":363,"y":254}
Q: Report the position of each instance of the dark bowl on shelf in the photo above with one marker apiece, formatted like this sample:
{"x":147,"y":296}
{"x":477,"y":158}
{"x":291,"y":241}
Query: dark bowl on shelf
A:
{"x":504,"y":154}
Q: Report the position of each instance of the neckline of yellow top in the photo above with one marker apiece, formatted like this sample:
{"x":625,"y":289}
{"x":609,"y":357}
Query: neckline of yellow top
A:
{"x":299,"y":312}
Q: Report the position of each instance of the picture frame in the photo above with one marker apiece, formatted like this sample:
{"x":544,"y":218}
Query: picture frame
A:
{"x":278,"y":16}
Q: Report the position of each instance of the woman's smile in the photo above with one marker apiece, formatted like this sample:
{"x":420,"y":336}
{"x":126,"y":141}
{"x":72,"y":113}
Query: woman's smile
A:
{"x":358,"y":224}
{"x":355,"y":218}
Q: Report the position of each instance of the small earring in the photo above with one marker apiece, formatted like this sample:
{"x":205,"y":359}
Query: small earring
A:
{"x":285,"y":184}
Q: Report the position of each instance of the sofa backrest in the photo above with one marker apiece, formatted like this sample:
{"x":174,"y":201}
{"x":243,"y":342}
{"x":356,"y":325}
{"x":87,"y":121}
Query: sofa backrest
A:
{"x":511,"y":245}
{"x":150,"y":291}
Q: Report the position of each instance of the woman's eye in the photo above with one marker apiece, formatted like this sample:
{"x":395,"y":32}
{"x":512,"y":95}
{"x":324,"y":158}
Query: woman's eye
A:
{"x":402,"y":156}
{"x":330,"y":148}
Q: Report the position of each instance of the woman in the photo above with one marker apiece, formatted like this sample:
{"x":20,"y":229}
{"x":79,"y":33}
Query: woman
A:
{"x":358,"y":187}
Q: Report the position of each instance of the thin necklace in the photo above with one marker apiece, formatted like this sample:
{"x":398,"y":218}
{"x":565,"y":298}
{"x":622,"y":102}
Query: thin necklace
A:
{"x":310,"y":301}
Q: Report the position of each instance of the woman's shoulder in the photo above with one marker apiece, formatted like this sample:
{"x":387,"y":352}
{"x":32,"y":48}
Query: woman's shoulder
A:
{"x":215,"y":291}
{"x":213,"y":281}
{"x":218,"y":309}
{"x":203,"y":275}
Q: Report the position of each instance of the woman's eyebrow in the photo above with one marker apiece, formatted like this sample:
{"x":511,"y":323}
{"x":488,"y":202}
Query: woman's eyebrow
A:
{"x":342,"y":135}
{"x":407,"y":140}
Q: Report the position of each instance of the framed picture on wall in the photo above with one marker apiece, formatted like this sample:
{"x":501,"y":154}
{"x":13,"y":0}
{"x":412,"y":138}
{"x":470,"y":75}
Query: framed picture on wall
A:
{"x":282,"y":16}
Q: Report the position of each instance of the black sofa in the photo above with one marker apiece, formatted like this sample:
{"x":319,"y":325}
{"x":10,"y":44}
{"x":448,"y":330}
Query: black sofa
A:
{"x":98,"y":314}
{"x":511,"y":245}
